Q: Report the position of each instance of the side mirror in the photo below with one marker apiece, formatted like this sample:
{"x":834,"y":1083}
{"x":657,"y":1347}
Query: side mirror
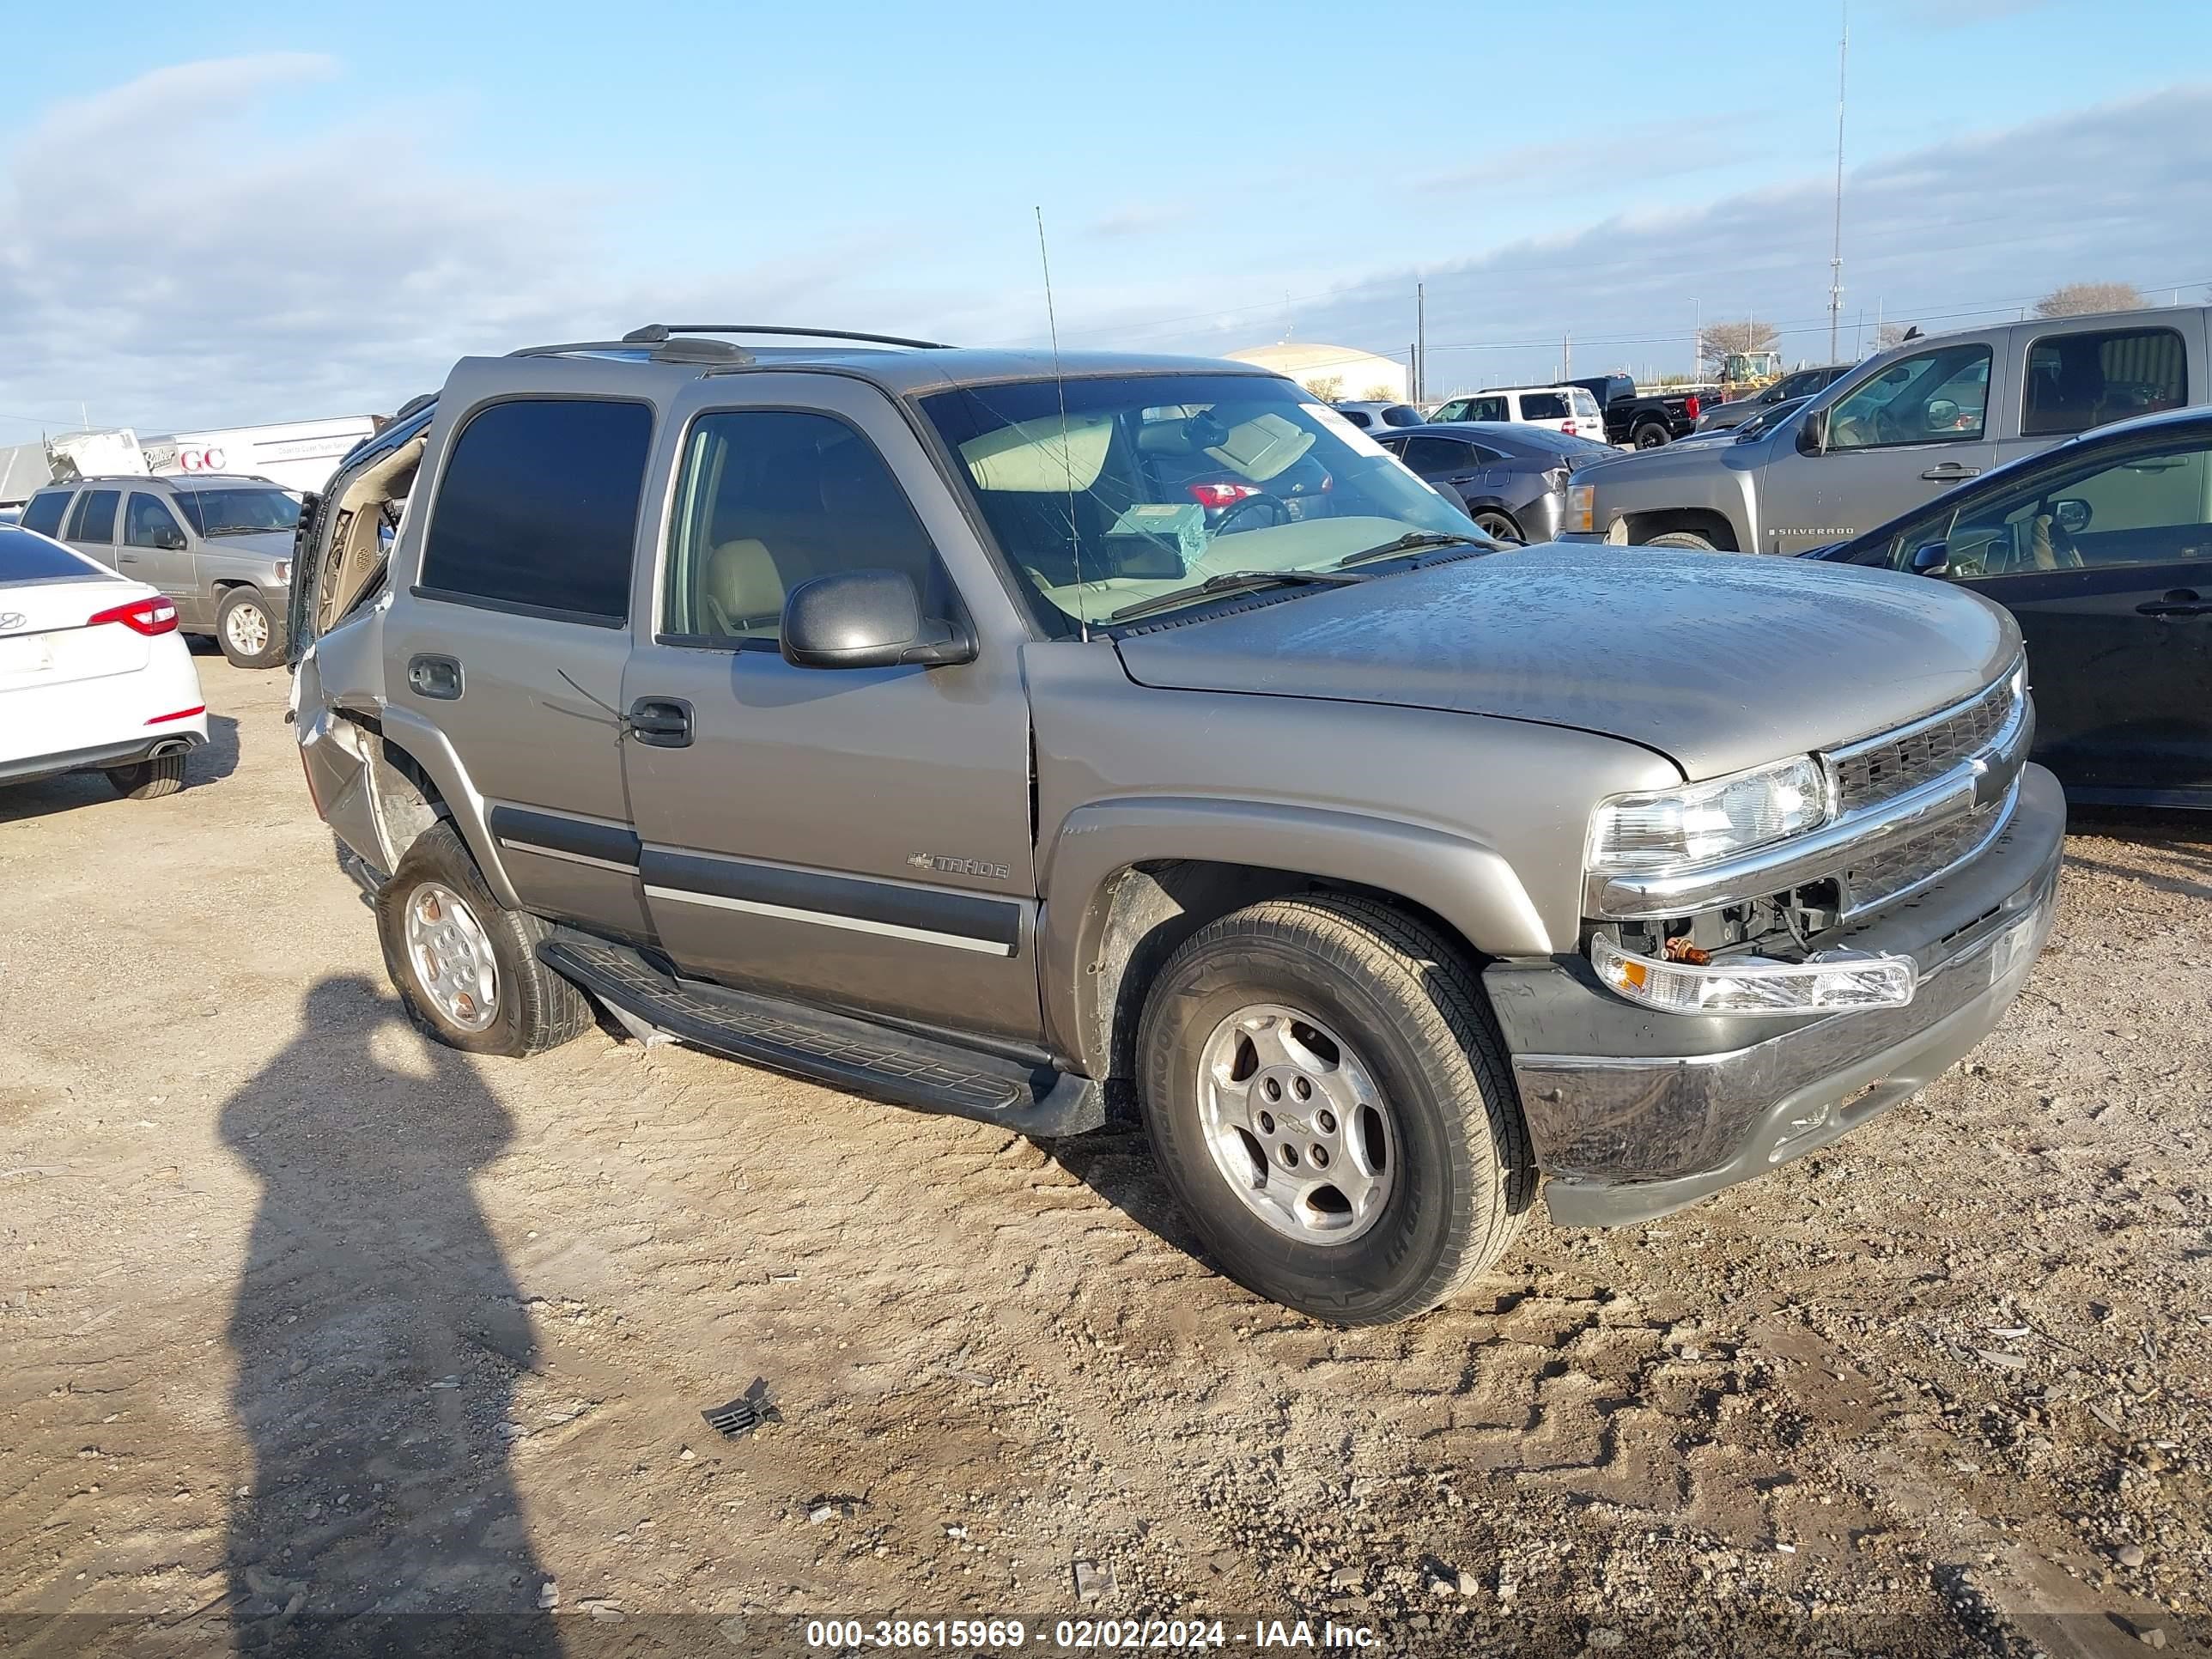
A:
{"x":866,"y":619}
{"x":2072,"y":514}
{"x":1931,"y":559}
{"x":169,"y":539}
{"x":1813,"y":432}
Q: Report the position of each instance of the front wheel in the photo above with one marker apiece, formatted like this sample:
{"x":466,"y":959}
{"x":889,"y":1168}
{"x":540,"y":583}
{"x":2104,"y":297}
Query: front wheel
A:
{"x":1684,"y":538}
{"x":251,"y":635}
{"x":466,"y":966}
{"x":1329,"y":1100}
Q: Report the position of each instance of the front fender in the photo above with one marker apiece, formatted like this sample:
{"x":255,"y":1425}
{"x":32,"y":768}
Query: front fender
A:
{"x":1464,"y":882}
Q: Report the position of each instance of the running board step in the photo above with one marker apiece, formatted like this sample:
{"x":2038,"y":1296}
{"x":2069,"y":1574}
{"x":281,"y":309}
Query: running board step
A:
{"x":880,"y":1062}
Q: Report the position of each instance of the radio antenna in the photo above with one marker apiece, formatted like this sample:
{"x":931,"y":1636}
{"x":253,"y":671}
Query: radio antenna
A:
{"x":1066,"y":439}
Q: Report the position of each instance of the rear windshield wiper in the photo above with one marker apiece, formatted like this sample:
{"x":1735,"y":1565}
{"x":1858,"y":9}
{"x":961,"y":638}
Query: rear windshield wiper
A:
{"x":1230,"y":581}
{"x":1414,"y":541}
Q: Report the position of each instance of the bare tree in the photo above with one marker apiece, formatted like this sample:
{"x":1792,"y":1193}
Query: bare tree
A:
{"x":1378,"y":394}
{"x":1890,"y":334}
{"x":1326,"y":387}
{"x":2076,"y":299}
{"x":1718,"y":340}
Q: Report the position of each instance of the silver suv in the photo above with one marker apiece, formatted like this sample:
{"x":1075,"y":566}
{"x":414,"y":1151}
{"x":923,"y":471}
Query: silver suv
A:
{"x":988,"y":734}
{"x":1896,"y":431}
{"x":219,"y":544}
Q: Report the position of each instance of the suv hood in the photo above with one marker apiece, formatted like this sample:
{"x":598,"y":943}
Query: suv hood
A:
{"x":1718,"y":661}
{"x":267,"y":544}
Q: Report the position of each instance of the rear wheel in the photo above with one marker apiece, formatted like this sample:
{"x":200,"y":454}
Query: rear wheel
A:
{"x":251,"y":635}
{"x":466,"y":966}
{"x":150,"y":780}
{"x":1499,"y":526}
{"x":1329,"y":1100}
{"x":1683,"y":538}
{"x":1651,"y":435}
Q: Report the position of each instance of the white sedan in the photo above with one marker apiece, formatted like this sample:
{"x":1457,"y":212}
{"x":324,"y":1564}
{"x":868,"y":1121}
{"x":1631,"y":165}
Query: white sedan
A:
{"x":92,"y":672}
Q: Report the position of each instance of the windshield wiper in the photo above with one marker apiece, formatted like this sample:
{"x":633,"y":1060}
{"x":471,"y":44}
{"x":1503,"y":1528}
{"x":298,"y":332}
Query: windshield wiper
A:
{"x":1230,"y":581}
{"x":254,"y":530}
{"x":1412,"y":541}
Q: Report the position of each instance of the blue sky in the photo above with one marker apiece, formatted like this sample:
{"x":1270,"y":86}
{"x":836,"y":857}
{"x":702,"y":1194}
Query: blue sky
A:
{"x":259,"y":211}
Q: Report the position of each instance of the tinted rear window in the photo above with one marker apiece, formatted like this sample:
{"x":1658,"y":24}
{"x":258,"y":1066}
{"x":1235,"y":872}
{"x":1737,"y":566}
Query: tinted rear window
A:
{"x":27,"y":558}
{"x":95,"y":516}
{"x":538,"y":508}
{"x":44,"y":515}
{"x":1530,"y":439}
{"x":1543,"y":406}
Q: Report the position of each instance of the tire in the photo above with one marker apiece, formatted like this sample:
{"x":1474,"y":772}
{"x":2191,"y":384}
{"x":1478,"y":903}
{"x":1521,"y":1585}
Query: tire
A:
{"x":520,"y":1006}
{"x":150,"y":780}
{"x":1683,"y":538}
{"x":1498,"y":525}
{"x":1651,"y":435}
{"x":1395,"y":1002}
{"x":251,"y":635}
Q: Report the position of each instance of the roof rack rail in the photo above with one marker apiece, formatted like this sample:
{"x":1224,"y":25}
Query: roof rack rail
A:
{"x":655,"y":333}
{"x":663,"y":351}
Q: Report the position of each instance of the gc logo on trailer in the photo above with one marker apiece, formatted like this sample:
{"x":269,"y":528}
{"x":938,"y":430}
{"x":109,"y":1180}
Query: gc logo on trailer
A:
{"x":201,"y":460}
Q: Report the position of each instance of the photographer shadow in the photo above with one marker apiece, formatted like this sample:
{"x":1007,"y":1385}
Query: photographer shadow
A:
{"x":378,"y":1337}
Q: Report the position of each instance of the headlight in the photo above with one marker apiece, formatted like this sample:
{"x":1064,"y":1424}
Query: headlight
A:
{"x":1582,"y":509}
{"x":1667,"y":829}
{"x":1757,"y":985}
{"x":283,"y":572}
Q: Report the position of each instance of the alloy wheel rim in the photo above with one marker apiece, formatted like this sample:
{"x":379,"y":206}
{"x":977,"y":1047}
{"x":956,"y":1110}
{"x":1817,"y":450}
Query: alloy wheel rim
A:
{"x":452,"y":957}
{"x":1294,"y":1124}
{"x":247,"y":628}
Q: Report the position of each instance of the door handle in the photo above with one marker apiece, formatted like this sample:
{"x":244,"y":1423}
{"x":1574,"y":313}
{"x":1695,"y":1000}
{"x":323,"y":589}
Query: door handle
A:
{"x":2178,"y":602}
{"x":1951,"y":472}
{"x":436,"y":678}
{"x":663,"y":722}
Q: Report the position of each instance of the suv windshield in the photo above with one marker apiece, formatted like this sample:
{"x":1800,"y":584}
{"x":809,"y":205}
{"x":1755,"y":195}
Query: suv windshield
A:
{"x":1153,"y":483}
{"x":242,"y":511}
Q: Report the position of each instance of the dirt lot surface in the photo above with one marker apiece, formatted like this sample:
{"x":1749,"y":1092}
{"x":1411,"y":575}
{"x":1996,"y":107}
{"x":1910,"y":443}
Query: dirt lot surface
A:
{"x":314,"y":1336}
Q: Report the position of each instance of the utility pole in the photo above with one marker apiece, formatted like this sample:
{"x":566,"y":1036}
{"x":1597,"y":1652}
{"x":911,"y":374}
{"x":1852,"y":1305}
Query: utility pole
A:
{"x":1566,"y":354}
{"x":1420,"y":341}
{"x":1697,"y":341}
{"x":1836,"y":258}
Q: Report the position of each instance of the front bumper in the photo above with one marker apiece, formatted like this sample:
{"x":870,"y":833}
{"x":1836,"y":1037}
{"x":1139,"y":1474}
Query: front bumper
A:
{"x":1633,"y":1113}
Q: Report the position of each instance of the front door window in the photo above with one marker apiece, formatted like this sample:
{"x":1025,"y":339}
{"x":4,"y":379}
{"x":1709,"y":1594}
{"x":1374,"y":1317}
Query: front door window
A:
{"x":1937,"y":397}
{"x":770,"y":499}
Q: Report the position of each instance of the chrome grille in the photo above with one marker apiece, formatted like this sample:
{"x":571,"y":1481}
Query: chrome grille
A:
{"x":1891,"y":870}
{"x":1886,"y":766}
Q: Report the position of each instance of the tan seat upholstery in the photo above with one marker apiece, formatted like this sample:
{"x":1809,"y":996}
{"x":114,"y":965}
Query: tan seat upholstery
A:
{"x":742,"y":588}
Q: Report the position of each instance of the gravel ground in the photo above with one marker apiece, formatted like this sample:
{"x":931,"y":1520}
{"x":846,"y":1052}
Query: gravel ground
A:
{"x":314,"y":1336}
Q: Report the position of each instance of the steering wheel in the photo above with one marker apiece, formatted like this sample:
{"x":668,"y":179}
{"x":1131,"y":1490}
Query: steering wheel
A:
{"x":1235,"y":510}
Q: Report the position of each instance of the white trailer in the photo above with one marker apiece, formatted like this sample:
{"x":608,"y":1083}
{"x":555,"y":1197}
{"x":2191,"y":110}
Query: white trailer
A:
{"x":297,"y":454}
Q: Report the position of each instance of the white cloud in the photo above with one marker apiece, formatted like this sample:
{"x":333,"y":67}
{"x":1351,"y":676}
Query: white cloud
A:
{"x":2120,"y":190}
{"x":167,"y":262}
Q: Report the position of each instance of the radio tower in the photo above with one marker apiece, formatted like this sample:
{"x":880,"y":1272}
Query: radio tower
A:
{"x":1835,"y":256}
